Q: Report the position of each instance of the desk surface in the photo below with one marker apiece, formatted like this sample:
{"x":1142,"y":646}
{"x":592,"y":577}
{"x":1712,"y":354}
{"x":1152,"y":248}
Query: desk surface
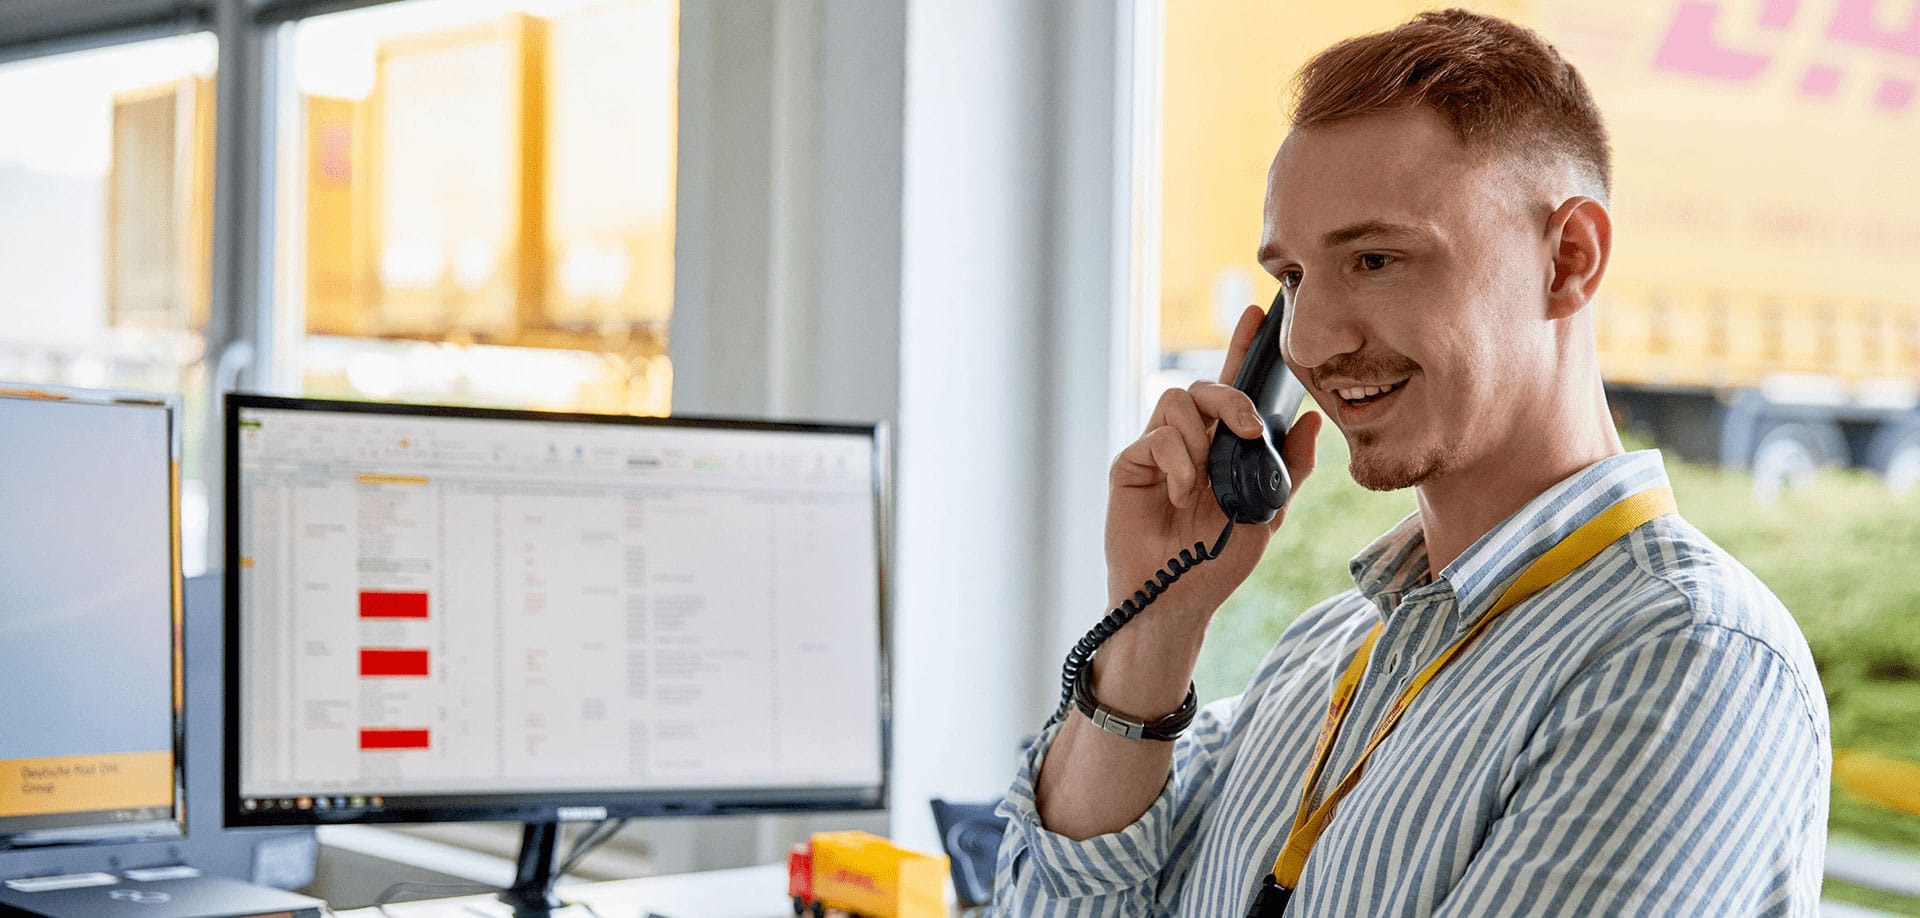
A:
{"x":744,"y":892}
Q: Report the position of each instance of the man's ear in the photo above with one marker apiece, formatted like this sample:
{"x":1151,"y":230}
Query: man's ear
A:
{"x":1580,"y":233}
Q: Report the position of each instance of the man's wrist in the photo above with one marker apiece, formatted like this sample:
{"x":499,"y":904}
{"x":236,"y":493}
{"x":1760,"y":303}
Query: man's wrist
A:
{"x":1145,"y":669}
{"x":1163,"y":729}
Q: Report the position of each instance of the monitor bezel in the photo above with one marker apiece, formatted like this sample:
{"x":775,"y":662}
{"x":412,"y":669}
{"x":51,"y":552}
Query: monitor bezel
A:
{"x":554,"y":805}
{"x":173,"y":826}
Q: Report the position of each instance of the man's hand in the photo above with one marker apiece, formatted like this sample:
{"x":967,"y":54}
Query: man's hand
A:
{"x":1160,"y":501}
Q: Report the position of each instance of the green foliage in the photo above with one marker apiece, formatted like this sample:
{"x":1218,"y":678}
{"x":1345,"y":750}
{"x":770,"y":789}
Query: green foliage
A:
{"x":1868,"y":897}
{"x":1842,"y":553}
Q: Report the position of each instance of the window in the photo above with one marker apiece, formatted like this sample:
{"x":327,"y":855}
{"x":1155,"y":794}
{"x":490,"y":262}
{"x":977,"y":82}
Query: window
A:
{"x":106,"y":224}
{"x":1727,"y":287}
{"x":482,"y":204}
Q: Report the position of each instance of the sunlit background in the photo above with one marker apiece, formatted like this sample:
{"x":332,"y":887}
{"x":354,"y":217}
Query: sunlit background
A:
{"x":476,"y":203}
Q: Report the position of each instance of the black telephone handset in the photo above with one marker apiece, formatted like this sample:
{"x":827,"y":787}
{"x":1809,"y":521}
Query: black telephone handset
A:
{"x":1249,"y":480}
{"x":1251,"y":485}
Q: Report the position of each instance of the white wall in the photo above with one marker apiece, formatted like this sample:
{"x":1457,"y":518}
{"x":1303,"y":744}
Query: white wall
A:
{"x":974,"y":400}
{"x":787,"y":261}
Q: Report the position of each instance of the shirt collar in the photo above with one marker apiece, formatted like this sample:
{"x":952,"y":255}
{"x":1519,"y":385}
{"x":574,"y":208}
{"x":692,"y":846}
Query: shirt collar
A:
{"x":1396,"y":563}
{"x":1393,"y":565}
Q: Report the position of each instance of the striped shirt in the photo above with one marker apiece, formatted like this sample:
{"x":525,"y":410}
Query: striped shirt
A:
{"x":1646,"y":736}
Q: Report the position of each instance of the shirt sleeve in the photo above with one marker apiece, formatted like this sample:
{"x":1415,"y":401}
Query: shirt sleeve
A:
{"x":1043,"y":873}
{"x":1686,"y":774}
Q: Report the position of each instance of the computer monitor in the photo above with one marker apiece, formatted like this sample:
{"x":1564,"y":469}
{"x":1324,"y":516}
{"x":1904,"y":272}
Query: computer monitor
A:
{"x":444,"y":613}
{"x":89,"y":613}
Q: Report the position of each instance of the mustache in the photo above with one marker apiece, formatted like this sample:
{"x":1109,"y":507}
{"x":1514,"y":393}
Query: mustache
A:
{"x":1364,"y":365}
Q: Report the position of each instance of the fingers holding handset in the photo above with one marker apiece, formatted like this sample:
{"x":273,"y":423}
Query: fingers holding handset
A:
{"x":1172,"y":453}
{"x":1241,"y":340}
{"x":1297,"y":447}
{"x":1297,"y":453}
{"x":1179,"y":435}
{"x":1162,"y":500}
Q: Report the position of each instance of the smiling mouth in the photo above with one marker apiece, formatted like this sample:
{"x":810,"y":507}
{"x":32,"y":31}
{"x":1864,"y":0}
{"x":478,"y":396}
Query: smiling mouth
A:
{"x":1362,"y":396}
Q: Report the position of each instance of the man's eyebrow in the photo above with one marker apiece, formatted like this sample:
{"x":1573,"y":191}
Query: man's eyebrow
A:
{"x":1367,"y":229}
{"x":1354,"y":232}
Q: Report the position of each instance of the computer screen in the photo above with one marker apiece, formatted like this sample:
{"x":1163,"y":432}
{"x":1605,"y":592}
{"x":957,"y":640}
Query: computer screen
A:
{"x":448,"y":613}
{"x":89,"y":606}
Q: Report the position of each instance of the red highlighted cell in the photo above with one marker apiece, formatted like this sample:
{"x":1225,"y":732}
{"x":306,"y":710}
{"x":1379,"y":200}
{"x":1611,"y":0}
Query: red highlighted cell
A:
{"x":384,"y":604}
{"x":386,"y":662}
{"x":388,"y":738}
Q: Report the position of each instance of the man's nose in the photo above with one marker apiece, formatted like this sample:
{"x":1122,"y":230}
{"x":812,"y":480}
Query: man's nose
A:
{"x":1319,"y":328}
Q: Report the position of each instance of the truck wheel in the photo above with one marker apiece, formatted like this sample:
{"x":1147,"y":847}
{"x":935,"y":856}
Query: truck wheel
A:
{"x":799,"y":905}
{"x":1895,"y":454}
{"x":819,"y":910}
{"x":1789,"y":455}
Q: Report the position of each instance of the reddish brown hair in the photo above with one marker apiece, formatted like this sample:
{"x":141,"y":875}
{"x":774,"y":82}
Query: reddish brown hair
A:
{"x":1499,"y":86}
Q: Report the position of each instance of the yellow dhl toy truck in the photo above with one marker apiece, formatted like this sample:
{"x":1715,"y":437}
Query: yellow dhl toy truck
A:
{"x":867,"y":876}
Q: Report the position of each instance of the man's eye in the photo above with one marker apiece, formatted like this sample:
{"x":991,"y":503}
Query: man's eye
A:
{"x":1374,"y":261}
{"x":1290,"y":280}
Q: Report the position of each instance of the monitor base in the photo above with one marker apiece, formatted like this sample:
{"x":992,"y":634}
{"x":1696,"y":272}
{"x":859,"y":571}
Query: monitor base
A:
{"x":531,"y":894}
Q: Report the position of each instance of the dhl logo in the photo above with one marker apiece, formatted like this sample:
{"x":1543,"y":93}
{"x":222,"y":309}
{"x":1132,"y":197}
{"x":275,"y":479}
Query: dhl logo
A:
{"x":847,"y":877}
{"x":1694,"y":45}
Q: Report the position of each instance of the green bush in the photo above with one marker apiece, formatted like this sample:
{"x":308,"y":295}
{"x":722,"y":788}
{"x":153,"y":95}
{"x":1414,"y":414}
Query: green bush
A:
{"x":1841,"y":553}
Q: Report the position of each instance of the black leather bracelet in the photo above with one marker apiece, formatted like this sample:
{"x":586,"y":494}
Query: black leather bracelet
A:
{"x":1166,"y":729}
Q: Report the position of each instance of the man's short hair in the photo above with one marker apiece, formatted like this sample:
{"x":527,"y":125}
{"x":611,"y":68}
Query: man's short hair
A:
{"x":1498,"y":85}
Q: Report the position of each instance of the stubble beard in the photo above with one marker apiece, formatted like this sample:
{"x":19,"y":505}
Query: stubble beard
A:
{"x":1376,"y":466}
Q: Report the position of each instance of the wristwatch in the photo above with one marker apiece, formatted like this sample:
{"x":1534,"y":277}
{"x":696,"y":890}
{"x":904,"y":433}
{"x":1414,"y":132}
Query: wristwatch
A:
{"x":1166,"y":729}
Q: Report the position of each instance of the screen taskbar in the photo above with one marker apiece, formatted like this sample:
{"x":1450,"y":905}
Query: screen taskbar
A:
{"x":308,"y":809}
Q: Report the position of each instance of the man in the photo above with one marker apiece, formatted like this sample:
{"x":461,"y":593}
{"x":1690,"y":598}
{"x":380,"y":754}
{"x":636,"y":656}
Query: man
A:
{"x":1638,"y":729}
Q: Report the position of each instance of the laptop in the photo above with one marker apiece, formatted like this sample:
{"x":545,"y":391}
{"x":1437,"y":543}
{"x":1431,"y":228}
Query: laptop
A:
{"x":188,"y":897}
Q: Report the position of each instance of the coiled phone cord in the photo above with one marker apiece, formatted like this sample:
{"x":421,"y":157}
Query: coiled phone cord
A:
{"x":1082,"y":653}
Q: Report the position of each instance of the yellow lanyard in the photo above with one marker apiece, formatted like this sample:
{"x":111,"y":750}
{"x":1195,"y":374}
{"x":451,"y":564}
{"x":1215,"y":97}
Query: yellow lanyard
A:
{"x":1571,"y":552}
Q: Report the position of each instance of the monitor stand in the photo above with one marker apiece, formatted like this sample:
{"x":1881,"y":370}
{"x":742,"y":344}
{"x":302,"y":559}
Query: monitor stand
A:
{"x":531,"y":894}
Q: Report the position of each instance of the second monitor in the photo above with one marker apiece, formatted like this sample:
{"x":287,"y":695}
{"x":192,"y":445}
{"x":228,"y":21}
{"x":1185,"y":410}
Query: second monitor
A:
{"x":450,"y":613}
{"x":89,"y":602}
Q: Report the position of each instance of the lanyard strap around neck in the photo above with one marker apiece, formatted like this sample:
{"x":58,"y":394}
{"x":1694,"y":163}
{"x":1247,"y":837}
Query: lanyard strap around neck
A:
{"x":1569,"y":553}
